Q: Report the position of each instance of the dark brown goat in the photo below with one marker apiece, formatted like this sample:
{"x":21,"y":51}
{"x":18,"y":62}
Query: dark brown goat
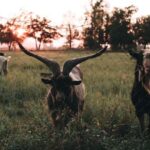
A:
{"x":140,"y":94}
{"x":66,"y":96}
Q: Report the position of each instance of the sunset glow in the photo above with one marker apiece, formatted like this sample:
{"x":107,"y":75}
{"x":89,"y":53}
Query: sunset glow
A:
{"x":58,"y":43}
{"x":20,"y":32}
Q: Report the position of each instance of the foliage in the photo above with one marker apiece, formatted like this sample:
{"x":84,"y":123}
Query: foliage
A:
{"x":34,"y":26}
{"x":41,"y":31}
{"x":108,"y":120}
{"x":142,"y":30}
{"x":7,"y":34}
{"x":98,"y":19}
{"x":71,"y":31}
{"x":73,"y":34}
{"x":120,"y":29}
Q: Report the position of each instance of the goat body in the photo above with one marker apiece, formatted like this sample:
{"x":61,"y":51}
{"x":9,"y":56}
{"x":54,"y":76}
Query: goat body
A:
{"x":67,"y":92}
{"x":4,"y":64}
{"x":140,"y":94}
{"x":66,"y":102}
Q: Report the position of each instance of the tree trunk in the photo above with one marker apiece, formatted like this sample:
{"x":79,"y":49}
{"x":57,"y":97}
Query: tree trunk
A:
{"x":39,"y":45}
{"x":9,"y":46}
{"x":70,"y":36}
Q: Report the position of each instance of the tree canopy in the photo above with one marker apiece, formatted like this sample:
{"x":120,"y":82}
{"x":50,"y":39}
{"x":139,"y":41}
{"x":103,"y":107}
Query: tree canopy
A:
{"x":120,"y":28}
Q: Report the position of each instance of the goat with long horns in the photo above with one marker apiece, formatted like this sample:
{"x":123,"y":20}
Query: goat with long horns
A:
{"x":67,"y":92}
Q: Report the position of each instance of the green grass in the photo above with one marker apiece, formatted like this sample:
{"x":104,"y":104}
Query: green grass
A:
{"x":108,"y":120}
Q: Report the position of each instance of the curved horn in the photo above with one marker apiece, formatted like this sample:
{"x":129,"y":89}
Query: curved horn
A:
{"x":68,"y":65}
{"x":53,"y":65}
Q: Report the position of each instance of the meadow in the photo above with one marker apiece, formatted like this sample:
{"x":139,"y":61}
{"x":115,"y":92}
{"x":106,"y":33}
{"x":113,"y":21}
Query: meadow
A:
{"x":108,"y":121}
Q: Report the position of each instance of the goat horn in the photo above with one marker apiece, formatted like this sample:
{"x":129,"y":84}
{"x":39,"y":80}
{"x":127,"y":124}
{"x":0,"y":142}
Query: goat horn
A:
{"x":70,"y":64}
{"x":53,"y":65}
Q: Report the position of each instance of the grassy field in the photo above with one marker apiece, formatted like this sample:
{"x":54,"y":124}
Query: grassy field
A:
{"x":108,"y":121}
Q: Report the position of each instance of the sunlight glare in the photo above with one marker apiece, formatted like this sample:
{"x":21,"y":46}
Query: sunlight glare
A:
{"x":58,"y":43}
{"x":20,"y":32}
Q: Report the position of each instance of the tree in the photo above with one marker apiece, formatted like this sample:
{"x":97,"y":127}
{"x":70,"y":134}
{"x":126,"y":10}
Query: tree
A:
{"x":73,"y":34}
{"x":72,"y":31}
{"x":98,"y":18}
{"x":7,"y":32}
{"x":142,"y":30}
{"x":41,"y":31}
{"x":2,"y":29}
{"x":120,"y":28}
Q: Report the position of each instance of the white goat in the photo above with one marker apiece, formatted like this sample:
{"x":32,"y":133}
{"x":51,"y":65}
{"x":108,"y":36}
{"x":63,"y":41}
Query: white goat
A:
{"x":4,"y":64}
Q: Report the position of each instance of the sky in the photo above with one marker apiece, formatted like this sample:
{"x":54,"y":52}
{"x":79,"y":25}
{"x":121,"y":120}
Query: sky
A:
{"x":55,"y":10}
{"x":58,"y":10}
{"x":142,"y":5}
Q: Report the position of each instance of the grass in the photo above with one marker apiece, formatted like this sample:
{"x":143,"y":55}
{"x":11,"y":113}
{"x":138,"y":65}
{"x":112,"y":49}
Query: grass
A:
{"x":108,"y":120}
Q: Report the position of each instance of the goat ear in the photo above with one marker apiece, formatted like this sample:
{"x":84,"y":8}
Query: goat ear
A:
{"x":75,"y":82}
{"x":47,"y":81}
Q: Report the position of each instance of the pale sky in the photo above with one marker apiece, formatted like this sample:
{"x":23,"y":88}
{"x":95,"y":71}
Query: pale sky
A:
{"x":56,"y":9}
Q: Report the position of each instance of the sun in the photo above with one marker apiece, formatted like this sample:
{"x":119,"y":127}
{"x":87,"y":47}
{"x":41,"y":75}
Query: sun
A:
{"x":20,"y":32}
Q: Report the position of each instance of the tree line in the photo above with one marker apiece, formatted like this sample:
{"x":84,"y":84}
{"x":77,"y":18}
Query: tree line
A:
{"x":115,"y":28}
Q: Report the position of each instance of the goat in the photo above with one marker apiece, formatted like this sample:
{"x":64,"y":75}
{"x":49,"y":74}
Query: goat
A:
{"x":140,"y":94}
{"x":4,"y":64}
{"x":66,"y":95}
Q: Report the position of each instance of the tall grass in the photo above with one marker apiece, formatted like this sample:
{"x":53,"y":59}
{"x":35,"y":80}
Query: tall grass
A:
{"x":108,"y":120}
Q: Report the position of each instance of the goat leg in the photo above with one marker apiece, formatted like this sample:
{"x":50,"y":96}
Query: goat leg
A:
{"x":141,"y":121}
